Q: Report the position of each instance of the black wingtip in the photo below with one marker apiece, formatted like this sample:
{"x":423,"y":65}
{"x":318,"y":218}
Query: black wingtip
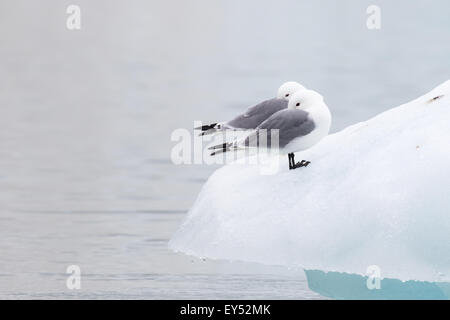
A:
{"x":206,"y":127}
{"x":219,"y":146}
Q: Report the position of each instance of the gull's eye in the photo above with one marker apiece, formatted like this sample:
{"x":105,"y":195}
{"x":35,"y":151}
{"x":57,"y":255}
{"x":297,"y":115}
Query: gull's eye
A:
{"x":298,"y":104}
{"x":287,"y":95}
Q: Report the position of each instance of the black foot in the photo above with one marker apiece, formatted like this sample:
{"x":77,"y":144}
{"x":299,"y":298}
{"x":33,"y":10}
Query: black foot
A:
{"x":303,"y":163}
{"x":293,"y":165}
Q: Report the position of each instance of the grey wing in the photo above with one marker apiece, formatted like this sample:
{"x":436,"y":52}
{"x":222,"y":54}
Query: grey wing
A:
{"x":290,"y":123}
{"x":257,"y":114}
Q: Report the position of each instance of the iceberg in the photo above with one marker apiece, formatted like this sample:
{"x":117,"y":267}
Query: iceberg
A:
{"x":375,"y":194}
{"x":351,"y":286}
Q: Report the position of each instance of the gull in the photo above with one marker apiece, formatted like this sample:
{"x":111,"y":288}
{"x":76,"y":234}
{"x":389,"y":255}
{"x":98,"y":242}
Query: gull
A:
{"x":303,"y":124}
{"x":256,"y":114}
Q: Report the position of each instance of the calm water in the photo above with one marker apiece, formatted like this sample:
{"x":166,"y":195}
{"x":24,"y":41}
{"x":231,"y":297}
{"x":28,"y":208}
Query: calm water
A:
{"x":86,"y":118}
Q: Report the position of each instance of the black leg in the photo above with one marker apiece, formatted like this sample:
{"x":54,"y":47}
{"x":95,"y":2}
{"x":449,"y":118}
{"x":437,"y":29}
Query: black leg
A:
{"x":291,"y":161}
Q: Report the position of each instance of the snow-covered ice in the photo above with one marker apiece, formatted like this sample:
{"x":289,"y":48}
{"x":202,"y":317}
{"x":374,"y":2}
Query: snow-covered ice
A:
{"x":376,"y":193}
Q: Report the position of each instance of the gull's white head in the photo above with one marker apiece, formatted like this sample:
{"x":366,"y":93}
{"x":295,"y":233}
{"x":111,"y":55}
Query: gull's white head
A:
{"x":287,"y":89}
{"x":305,"y":99}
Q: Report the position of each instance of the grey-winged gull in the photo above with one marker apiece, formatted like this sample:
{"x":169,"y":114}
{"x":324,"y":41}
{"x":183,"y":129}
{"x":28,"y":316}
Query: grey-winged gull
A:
{"x":303,"y":124}
{"x":256,"y":114}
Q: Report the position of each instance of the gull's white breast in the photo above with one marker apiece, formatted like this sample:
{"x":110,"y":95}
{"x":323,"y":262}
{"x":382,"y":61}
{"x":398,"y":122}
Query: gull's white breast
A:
{"x":322,"y":120}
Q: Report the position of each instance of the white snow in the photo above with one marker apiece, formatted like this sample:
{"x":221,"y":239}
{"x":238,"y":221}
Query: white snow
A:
{"x":376,"y":193}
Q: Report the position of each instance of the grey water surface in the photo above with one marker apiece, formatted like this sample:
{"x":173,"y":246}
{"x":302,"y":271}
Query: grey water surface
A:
{"x":86,"y":118}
